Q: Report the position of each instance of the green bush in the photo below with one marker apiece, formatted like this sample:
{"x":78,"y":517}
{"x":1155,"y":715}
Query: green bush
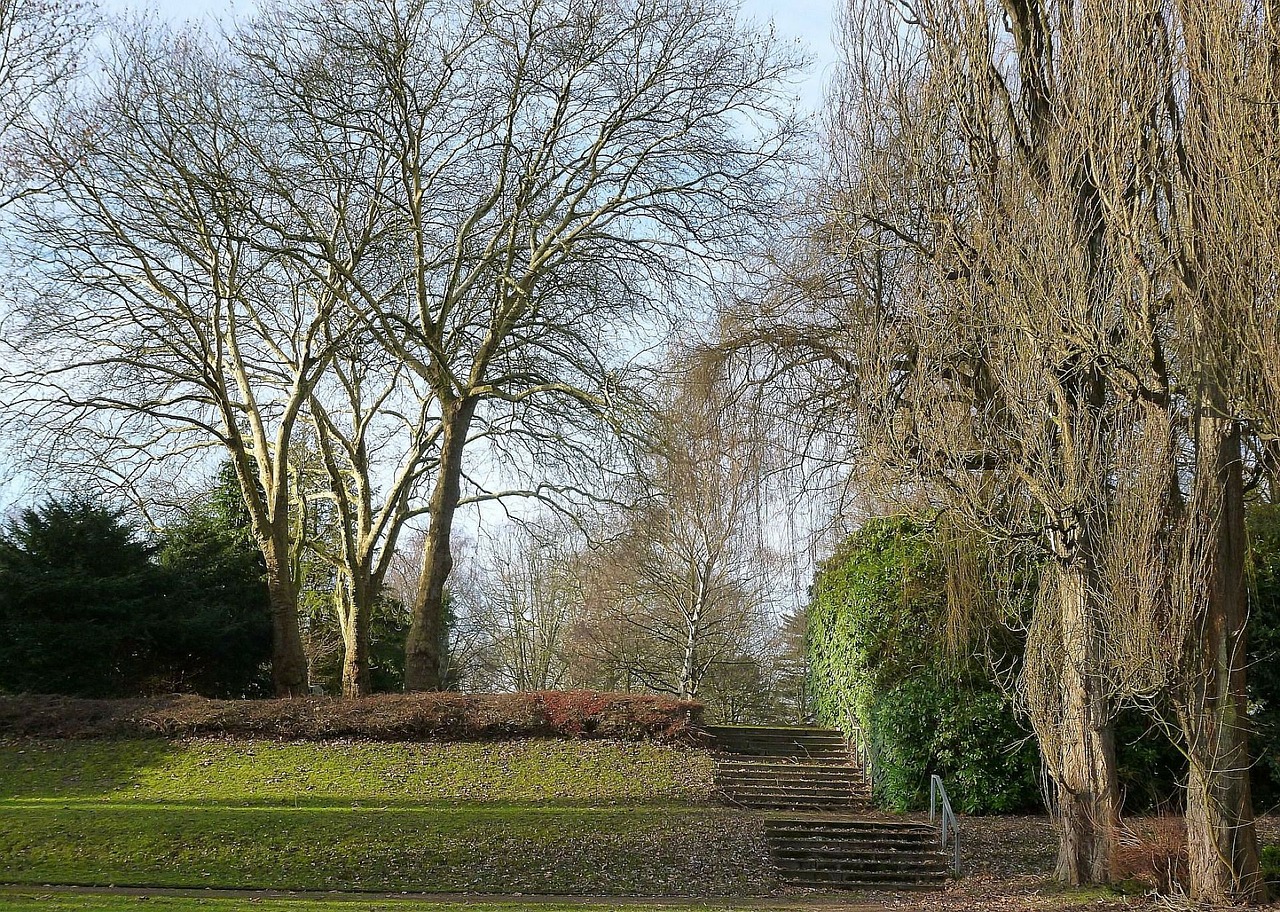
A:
{"x":877,"y":662}
{"x":1271,"y":866}
{"x":90,"y":607}
{"x":1264,"y":650}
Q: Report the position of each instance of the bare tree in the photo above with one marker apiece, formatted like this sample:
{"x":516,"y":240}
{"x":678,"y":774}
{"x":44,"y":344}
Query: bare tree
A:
{"x":553,"y":169}
{"x":167,"y":315}
{"x":1016,"y":300}
{"x":375,"y":436}
{"x":523,"y":604}
{"x":687,"y":565}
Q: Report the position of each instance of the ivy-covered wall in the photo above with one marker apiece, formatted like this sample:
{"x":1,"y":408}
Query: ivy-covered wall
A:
{"x":876,"y":619}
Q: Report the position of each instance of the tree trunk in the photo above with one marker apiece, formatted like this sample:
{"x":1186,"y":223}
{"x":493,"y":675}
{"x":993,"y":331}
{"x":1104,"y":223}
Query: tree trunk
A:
{"x":356,"y":617}
{"x":288,"y":660}
{"x":424,"y":648}
{"x":686,"y":683}
{"x":1083,"y":769}
{"x":1222,"y":846}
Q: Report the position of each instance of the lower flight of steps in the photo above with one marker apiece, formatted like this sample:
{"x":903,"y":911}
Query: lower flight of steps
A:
{"x":803,"y":775}
{"x":859,"y":854}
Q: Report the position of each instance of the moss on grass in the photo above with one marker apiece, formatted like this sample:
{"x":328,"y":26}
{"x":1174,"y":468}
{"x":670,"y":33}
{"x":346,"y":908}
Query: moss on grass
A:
{"x":528,"y":816}
{"x":46,"y":901}
{"x":269,"y":772}
{"x":652,"y":851}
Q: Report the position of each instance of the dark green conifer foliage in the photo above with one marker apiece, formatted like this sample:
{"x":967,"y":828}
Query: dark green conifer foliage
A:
{"x":79,"y":595}
{"x":219,"y":636}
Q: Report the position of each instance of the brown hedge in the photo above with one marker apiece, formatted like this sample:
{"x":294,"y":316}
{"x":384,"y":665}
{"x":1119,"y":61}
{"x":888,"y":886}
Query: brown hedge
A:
{"x":386,"y":717}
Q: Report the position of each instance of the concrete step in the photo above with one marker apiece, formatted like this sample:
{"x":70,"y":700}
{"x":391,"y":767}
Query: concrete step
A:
{"x":911,"y":855}
{"x":783,"y":803}
{"x":822,"y":848}
{"x":779,"y":741}
{"x":766,"y":731}
{"x":856,"y":866}
{"x":794,"y":774}
{"x":844,"y":881}
{"x":811,"y":786}
{"x":850,"y":825}
{"x":798,"y":781}
{"x":836,"y":796}
{"x":732,"y":762}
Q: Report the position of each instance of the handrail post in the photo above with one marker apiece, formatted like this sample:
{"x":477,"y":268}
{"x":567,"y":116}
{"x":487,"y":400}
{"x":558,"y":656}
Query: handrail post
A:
{"x":946,"y":819}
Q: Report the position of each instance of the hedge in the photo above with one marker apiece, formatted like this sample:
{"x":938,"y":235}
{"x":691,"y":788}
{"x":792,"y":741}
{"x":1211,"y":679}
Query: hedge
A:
{"x":386,"y":717}
{"x":874,"y":644}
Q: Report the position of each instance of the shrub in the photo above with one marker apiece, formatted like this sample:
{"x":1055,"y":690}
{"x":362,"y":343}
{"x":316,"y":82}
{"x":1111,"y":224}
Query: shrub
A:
{"x":385,"y":717}
{"x":965,"y":734}
{"x":1155,"y":852}
{"x":1271,"y":866}
{"x":877,"y":661}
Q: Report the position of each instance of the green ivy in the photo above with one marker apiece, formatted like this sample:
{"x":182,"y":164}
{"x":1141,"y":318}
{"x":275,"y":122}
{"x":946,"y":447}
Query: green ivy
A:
{"x":877,"y":609}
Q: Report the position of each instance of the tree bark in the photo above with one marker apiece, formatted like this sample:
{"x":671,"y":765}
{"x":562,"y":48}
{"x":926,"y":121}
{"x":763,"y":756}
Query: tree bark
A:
{"x":288,"y":659}
{"x":424,"y":658}
{"x":1084,"y":768}
{"x":1222,"y":846}
{"x":688,"y":685}
{"x":356,"y":618}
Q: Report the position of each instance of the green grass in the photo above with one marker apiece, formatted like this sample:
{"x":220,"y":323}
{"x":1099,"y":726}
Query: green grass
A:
{"x":531,"y":817}
{"x":267,"y":772}
{"x":45,"y":901}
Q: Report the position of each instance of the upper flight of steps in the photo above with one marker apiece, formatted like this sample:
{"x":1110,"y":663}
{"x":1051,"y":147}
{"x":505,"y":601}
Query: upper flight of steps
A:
{"x":819,"y":834}
{"x":791,"y":768}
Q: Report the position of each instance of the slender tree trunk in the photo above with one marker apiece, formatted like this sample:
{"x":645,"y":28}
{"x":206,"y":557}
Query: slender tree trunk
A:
{"x":1271,"y":466}
{"x":1083,"y":769}
{"x":288,"y":660}
{"x":356,"y":617}
{"x":688,"y":685}
{"x":1222,"y":846}
{"x":424,"y":658}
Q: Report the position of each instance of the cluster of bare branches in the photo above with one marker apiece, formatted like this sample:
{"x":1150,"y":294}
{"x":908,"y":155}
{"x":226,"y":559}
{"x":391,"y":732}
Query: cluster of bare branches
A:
{"x":407,"y":250}
{"x":675,"y":593}
{"x":1038,"y":291}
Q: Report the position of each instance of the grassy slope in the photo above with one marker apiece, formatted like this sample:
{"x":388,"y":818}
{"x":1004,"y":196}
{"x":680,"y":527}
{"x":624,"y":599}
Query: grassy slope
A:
{"x":34,"y":901}
{"x":531,"y":816}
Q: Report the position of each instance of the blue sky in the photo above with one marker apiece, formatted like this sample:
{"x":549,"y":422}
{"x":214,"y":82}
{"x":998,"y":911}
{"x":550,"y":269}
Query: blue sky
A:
{"x":807,"y":21}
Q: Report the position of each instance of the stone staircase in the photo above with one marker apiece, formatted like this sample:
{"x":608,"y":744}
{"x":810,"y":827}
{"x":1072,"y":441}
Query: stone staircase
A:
{"x":860,"y":854}
{"x":788,"y":768}
{"x":820,"y":831}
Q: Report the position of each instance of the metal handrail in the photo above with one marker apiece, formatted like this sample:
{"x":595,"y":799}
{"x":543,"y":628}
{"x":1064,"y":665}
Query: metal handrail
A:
{"x":860,"y":747}
{"x":948,"y":820}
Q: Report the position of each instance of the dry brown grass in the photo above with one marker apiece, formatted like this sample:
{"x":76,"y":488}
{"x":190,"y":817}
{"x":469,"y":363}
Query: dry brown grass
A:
{"x":387,"y":717}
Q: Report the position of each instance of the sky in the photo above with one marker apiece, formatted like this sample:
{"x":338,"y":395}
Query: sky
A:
{"x":808,"y":22}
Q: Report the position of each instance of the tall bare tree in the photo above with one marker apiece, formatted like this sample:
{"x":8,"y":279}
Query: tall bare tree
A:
{"x":1013,"y":298}
{"x":167,"y":314}
{"x":554,"y":169}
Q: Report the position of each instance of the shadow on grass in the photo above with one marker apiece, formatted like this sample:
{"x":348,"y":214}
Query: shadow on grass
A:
{"x":76,"y":769}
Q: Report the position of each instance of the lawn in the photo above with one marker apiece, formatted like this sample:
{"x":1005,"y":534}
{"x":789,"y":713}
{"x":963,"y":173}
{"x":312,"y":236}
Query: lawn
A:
{"x":45,"y":901}
{"x":528,"y":816}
